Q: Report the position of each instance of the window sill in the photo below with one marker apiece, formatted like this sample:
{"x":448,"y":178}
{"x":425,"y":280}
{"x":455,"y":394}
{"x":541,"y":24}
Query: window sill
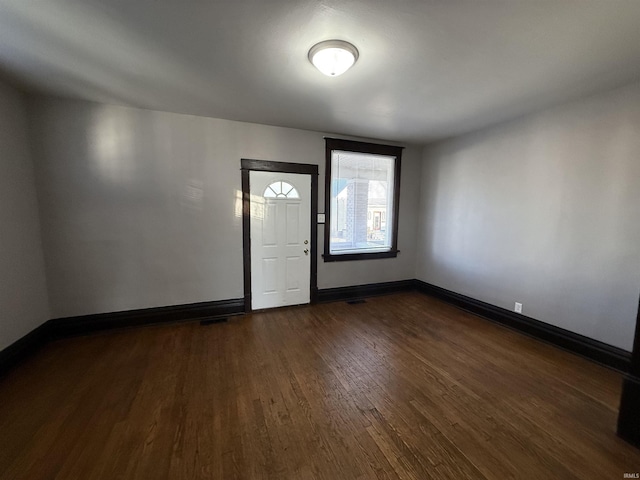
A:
{"x":346,"y":257}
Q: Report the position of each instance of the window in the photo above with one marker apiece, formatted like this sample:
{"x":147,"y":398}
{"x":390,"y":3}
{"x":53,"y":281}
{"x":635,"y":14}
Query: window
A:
{"x":361,"y":200}
{"x":280,"y":190}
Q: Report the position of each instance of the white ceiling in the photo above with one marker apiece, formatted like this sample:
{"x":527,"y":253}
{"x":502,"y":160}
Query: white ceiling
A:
{"x":427,"y":69}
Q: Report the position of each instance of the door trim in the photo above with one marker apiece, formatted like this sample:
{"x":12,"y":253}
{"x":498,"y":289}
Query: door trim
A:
{"x":247,"y":165}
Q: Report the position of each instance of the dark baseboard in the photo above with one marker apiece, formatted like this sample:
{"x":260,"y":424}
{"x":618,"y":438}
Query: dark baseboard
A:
{"x":594,"y":350}
{"x":361,"y":291}
{"x":24,"y":347}
{"x":64,"y":327}
{"x":70,"y":326}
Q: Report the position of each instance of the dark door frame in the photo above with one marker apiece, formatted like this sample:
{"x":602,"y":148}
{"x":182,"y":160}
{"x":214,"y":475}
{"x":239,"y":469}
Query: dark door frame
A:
{"x":629,"y":412}
{"x":284,"y":167}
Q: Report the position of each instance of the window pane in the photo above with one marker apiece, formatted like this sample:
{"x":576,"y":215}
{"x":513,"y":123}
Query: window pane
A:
{"x":361,"y":202}
{"x":281,"y":190}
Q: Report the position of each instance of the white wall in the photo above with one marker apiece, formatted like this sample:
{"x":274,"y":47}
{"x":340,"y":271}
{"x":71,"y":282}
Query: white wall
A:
{"x":123,"y":225}
{"x":545,"y":211}
{"x":23,"y":291}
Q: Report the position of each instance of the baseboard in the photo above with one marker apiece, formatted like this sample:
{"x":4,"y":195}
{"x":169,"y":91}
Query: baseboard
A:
{"x":594,"y":350}
{"x":64,"y":327}
{"x":80,"y":325}
{"x":24,"y":347}
{"x":361,"y":291}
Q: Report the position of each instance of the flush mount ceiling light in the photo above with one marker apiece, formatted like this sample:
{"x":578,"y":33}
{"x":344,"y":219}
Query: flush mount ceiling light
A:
{"x":333,"y":57}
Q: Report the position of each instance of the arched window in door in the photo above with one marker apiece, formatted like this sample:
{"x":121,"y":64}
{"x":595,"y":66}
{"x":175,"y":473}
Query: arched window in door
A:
{"x":280,"y":189}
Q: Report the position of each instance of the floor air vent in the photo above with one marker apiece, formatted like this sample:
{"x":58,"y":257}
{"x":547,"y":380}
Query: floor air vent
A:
{"x":211,"y":321}
{"x":356,"y":302}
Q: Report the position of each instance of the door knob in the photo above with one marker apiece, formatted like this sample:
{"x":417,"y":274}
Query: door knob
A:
{"x":306,"y":251}
{"x":306,"y":241}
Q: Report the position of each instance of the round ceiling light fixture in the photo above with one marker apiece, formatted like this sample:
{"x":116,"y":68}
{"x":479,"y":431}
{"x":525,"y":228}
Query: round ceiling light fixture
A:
{"x":333,"y":57}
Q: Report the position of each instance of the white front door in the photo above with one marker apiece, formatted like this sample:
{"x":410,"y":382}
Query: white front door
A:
{"x":280,"y":238}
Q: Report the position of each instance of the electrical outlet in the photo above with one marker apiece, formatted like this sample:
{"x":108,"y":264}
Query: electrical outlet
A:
{"x":518,"y":308}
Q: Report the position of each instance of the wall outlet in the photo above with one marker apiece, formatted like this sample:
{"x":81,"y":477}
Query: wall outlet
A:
{"x":518,"y":308}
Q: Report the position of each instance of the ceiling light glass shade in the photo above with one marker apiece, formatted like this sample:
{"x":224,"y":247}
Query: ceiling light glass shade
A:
{"x":333,"y":57}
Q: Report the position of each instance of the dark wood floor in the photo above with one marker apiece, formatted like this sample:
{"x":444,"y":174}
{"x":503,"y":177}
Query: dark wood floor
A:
{"x":402,"y":386}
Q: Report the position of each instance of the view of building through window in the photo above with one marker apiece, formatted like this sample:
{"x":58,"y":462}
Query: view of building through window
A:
{"x":361,"y":202}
